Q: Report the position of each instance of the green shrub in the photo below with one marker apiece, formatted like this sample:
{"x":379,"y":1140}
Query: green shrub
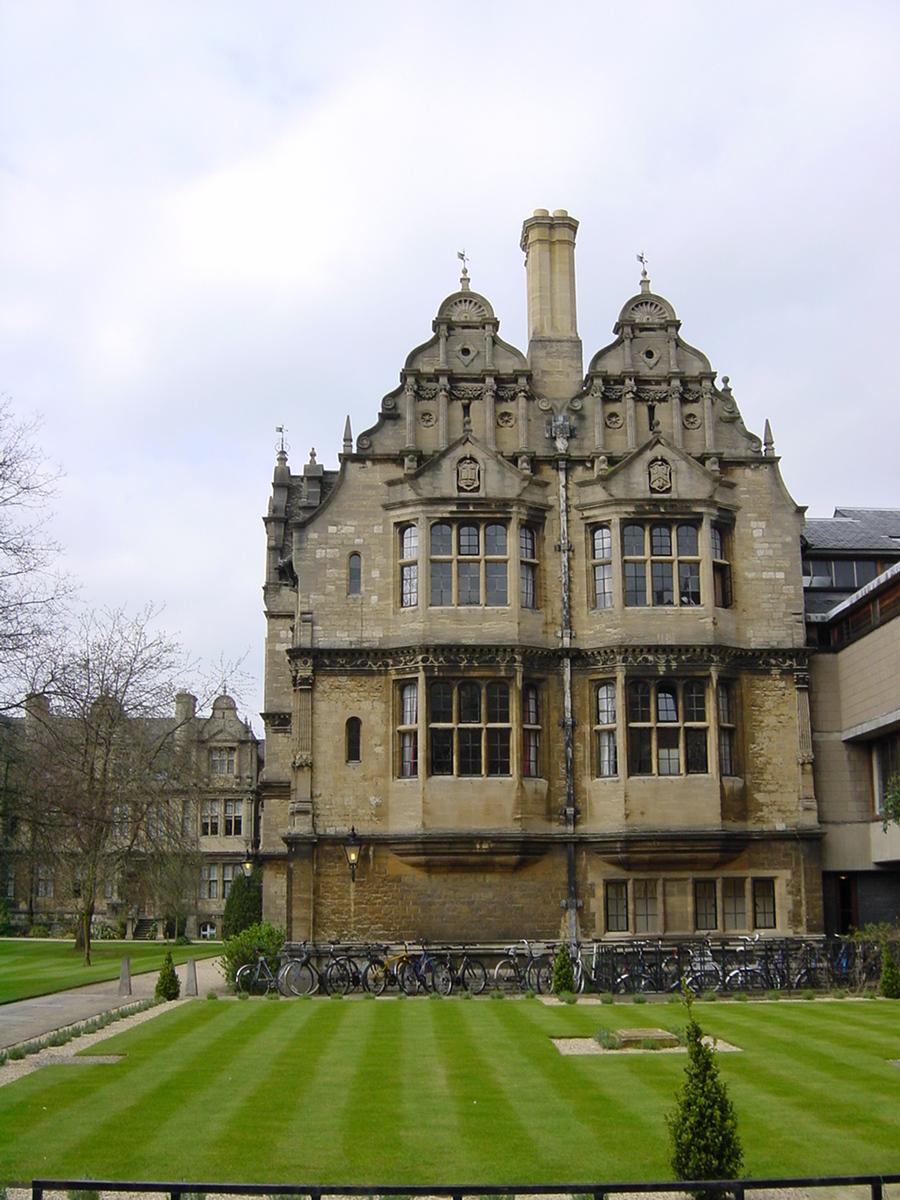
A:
{"x":530,"y":993}
{"x":243,"y":906}
{"x":246,"y":946}
{"x":742,"y":996}
{"x":496,"y":994}
{"x":709,"y":996}
{"x":703,"y":1127}
{"x":638,"y":998}
{"x":567,"y":997}
{"x":649,"y":1043}
{"x":608,"y":1040}
{"x":890,"y":977}
{"x":563,"y":974}
{"x":607,"y":998}
{"x":167,"y":985}
{"x":212,"y":995}
{"x":773,"y":994}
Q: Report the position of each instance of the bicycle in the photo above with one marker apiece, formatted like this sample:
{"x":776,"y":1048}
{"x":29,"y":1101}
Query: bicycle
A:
{"x":535,"y":973}
{"x":467,"y":973}
{"x":431,"y":976}
{"x":384,"y":972}
{"x":298,"y":976}
{"x":649,"y":972}
{"x":259,"y":980}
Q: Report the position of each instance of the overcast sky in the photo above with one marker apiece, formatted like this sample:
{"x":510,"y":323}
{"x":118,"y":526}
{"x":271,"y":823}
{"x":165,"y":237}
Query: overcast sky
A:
{"x":219,"y":217}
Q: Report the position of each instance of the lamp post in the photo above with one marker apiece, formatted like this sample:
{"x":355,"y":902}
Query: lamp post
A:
{"x":247,"y":868}
{"x":351,"y":849}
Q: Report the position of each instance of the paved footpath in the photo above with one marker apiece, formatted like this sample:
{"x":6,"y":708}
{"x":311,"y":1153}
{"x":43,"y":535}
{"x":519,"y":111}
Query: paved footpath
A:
{"x":26,"y":1019}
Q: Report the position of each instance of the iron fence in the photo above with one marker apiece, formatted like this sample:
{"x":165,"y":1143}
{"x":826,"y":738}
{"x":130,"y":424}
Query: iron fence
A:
{"x":596,"y":1191}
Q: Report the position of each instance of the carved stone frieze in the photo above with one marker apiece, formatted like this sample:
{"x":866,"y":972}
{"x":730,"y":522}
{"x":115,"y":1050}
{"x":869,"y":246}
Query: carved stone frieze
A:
{"x":427,"y":391}
{"x":300,"y":761}
{"x":467,"y":391}
{"x":413,"y":658}
{"x":277,"y":720}
{"x":674,"y":658}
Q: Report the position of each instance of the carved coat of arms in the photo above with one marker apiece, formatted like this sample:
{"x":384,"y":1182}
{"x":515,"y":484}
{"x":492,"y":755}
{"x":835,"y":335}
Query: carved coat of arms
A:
{"x":468,"y":475}
{"x":660,"y":473}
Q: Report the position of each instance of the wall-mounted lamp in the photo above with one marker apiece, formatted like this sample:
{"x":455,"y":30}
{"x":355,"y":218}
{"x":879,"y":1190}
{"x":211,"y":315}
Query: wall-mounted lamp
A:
{"x":351,"y":849}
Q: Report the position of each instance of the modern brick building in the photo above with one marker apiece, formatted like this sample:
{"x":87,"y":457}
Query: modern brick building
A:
{"x":538,"y":646}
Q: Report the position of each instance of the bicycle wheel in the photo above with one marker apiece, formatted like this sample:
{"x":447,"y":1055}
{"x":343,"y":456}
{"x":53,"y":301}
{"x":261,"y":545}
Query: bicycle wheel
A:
{"x":245,"y":981}
{"x":337,"y":977}
{"x":408,"y":977}
{"x":296,"y":979}
{"x":375,"y":978}
{"x":474,"y":976}
{"x":506,"y":976}
{"x":540,"y":976}
{"x":441,"y":980}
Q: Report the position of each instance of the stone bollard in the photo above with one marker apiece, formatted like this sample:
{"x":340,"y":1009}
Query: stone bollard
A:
{"x":190,"y":987}
{"x":125,"y":978}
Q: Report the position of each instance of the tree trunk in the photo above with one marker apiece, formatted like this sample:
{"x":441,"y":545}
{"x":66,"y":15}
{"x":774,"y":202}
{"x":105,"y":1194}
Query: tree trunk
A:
{"x":87,"y":917}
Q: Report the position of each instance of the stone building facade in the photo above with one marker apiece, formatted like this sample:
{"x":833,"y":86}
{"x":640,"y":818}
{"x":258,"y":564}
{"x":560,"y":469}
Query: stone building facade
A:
{"x":217,"y":831}
{"x":539,"y":645}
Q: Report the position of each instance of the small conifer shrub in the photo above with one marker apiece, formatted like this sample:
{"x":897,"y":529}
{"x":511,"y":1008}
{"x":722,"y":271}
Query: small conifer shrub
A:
{"x":890,"y":977}
{"x":703,"y":1133}
{"x":563,"y":973}
{"x":167,"y":986}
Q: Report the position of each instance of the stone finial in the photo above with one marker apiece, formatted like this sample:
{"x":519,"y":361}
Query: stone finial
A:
{"x":348,"y":436}
{"x":768,"y":440}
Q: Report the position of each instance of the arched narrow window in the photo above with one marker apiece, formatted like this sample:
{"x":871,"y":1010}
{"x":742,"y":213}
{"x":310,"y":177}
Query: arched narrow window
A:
{"x":353,"y":739}
{"x":354,"y":575}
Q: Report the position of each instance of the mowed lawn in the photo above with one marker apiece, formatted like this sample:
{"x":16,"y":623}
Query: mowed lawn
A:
{"x":450,"y":1091}
{"x":38,"y":967}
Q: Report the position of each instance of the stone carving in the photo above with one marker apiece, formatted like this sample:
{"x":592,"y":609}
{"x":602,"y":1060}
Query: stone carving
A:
{"x":544,"y":405}
{"x":647,"y":312}
{"x":467,"y":391}
{"x":388,"y":403}
{"x":427,"y":391}
{"x":660,"y":476}
{"x":507,"y":391}
{"x":576,"y":405}
{"x":466,"y":310}
{"x":506,"y":418}
{"x":412,"y":658}
{"x":468,"y":475}
{"x":694,"y":656}
{"x":301,"y":760}
{"x":363,"y":442}
{"x":691,"y":420}
{"x":614,"y":420}
{"x":655,"y":394}
{"x":427,"y":418}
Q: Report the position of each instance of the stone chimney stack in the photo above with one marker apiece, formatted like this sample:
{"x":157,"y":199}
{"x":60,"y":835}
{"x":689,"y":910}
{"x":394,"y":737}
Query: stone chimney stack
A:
{"x":185,"y":707}
{"x":554,"y":347}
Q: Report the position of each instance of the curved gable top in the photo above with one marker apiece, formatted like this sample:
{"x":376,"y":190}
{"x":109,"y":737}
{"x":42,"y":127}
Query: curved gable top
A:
{"x":465,"y":308}
{"x":647,"y":310}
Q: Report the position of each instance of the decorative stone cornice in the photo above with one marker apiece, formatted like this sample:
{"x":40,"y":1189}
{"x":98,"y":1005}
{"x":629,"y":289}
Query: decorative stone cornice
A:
{"x":414,"y":658}
{"x":669,"y":658}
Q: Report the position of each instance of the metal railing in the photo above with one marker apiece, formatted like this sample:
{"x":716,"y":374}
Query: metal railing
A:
{"x":597,"y":1191}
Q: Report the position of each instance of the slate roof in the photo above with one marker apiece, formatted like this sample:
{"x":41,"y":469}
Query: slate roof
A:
{"x":872,"y":530}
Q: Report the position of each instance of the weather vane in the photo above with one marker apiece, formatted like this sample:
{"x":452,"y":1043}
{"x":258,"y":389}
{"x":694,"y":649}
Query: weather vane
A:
{"x":281,"y":445}
{"x":463,"y":257}
{"x":642,"y":259}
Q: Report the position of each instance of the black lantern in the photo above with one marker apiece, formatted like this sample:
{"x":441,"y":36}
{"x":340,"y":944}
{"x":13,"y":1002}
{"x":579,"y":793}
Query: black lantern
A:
{"x":351,"y":849}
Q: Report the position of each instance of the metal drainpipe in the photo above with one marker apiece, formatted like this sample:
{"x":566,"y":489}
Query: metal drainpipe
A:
{"x":561,"y":430}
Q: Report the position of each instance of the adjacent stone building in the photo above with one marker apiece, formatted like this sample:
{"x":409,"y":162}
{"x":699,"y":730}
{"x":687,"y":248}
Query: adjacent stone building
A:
{"x":214,"y":832}
{"x":538,"y":646}
{"x":852,"y":578}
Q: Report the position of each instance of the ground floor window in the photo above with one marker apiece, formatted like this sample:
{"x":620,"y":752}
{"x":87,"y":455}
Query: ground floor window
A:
{"x":208,"y":930}
{"x":730,"y":904}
